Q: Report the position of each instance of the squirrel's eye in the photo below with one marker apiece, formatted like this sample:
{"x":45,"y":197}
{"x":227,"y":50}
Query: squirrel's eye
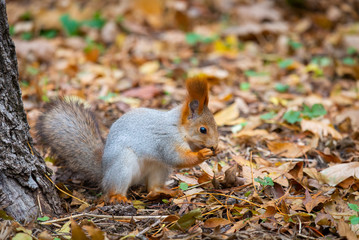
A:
{"x":203,"y":130}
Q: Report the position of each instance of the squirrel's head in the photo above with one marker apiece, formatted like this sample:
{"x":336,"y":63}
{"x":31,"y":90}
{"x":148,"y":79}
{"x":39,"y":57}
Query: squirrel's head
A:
{"x":197,"y":119}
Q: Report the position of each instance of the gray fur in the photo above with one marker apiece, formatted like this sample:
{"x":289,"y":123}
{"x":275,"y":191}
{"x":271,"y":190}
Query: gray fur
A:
{"x":71,"y":133}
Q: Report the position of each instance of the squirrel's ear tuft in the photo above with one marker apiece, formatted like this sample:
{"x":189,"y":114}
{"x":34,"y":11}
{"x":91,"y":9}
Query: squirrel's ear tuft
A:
{"x":197,"y":97}
{"x":197,"y":88}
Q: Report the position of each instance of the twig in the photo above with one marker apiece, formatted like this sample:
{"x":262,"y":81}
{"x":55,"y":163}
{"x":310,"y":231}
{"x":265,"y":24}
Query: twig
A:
{"x":148,"y":228}
{"x":292,"y":159}
{"x":304,"y":236}
{"x":64,"y":191}
{"x":136,"y":218}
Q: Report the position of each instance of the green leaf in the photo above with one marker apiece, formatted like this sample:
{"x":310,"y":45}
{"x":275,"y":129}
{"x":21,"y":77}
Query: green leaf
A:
{"x":51,"y":33}
{"x":32,"y":70}
{"x":295,"y":45}
{"x":354,"y":220}
{"x":43,"y":219}
{"x":165,"y":201}
{"x":97,"y":21}
{"x":183,"y":186}
{"x":268,"y":116}
{"x":26,"y":36}
{"x":351,"y":51}
{"x":281,"y":87}
{"x":70,"y":25}
{"x":292,"y":116}
{"x":251,"y":73}
{"x":27,"y":16}
{"x":285,"y":63}
{"x":349,"y":61}
{"x":12,"y":30}
{"x":247,"y":193}
{"x":91,"y":45}
{"x":108,"y":97}
{"x":315,"y":111}
{"x":266,"y":181}
{"x":192,"y":38}
{"x":325,"y":61}
{"x":187,"y":220}
{"x":245,"y":86}
{"x":138,"y":204}
{"x":353,"y":207}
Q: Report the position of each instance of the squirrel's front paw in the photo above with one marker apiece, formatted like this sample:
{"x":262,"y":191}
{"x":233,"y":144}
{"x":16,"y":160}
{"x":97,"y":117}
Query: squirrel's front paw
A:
{"x":205,"y":154}
{"x":118,"y":198}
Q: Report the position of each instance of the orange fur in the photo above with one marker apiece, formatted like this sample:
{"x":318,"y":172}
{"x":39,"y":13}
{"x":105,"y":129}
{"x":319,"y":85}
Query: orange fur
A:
{"x":191,"y":159}
{"x":197,"y":89}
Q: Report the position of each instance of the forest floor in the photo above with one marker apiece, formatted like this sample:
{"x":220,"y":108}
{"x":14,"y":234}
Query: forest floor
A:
{"x":284,"y":92}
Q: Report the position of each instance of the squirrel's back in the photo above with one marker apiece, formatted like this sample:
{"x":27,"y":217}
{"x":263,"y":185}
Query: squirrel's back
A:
{"x":71,"y":133}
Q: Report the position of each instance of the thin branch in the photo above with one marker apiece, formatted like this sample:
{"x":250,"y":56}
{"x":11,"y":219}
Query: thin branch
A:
{"x":148,"y":228}
{"x":136,"y":218}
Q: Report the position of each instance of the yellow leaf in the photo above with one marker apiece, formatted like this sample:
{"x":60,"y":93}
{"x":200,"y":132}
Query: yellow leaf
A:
{"x":22,"y":236}
{"x":227,"y":115}
{"x":149,"y":67}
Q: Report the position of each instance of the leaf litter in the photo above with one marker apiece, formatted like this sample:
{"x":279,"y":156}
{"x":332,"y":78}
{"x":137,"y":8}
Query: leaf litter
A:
{"x":283,"y":91}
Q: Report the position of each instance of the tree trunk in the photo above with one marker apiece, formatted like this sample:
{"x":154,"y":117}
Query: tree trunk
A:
{"x":25,"y":192}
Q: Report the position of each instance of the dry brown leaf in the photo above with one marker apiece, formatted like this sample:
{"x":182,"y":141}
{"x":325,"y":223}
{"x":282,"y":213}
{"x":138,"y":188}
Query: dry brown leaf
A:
{"x":311,"y":202}
{"x":353,"y":114}
{"x":345,"y":231}
{"x":152,"y":11}
{"x":186,"y":179}
{"x":206,"y":168}
{"x":329,"y":158}
{"x":287,"y":149}
{"x":146,"y":92}
{"x":227,"y":115}
{"x":260,"y":133}
{"x":320,"y":128}
{"x":338,"y":173}
{"x":77,"y":232}
{"x":95,"y":233}
{"x":215,"y":222}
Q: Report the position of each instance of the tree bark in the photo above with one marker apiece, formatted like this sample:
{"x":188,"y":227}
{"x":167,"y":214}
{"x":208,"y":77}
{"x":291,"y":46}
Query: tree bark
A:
{"x":25,"y":191}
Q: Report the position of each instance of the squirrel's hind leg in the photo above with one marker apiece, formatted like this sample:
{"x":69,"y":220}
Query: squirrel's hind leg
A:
{"x":156,"y":183}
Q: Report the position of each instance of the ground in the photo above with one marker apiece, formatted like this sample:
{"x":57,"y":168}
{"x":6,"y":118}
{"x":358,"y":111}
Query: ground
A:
{"x":283,"y":90}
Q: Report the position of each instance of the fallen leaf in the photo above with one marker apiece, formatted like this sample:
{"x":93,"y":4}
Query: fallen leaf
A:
{"x":77,"y":232}
{"x":146,"y":92}
{"x":287,"y":149}
{"x":329,"y":158}
{"x":311,"y":202}
{"x":320,"y":128}
{"x":345,"y":231}
{"x":227,"y":115}
{"x":338,"y":173}
{"x":215,"y":222}
{"x":186,"y":179}
{"x":187,"y":220}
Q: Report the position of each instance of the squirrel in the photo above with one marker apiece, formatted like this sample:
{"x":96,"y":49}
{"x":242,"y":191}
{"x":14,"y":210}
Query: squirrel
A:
{"x":142,"y":146}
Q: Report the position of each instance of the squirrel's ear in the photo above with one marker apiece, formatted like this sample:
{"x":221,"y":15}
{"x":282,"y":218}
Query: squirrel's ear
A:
{"x":193,"y":107}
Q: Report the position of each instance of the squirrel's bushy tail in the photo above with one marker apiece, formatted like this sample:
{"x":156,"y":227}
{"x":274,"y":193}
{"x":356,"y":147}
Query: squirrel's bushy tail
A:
{"x":70,"y":131}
